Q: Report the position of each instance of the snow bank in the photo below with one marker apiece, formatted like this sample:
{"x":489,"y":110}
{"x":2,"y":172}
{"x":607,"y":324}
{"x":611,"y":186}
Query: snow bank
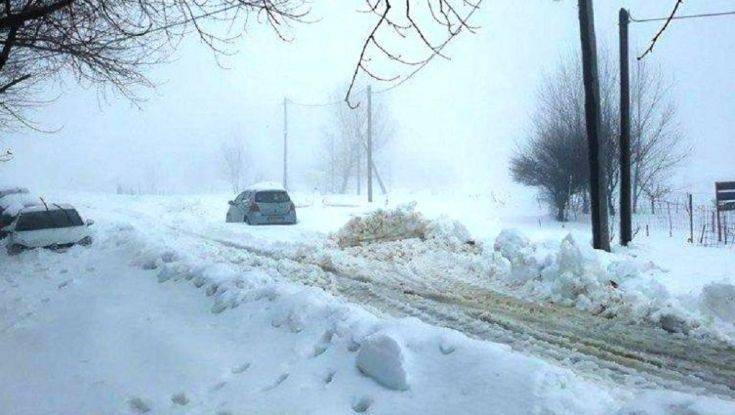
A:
{"x":574,"y":275}
{"x":382,"y":358}
{"x":403,"y":222}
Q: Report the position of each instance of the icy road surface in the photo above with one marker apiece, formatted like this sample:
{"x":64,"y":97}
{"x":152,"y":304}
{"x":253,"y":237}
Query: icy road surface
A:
{"x":118,"y":328}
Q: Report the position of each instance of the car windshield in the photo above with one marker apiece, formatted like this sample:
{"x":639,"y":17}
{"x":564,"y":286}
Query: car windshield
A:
{"x":48,"y":219}
{"x":275,"y":196}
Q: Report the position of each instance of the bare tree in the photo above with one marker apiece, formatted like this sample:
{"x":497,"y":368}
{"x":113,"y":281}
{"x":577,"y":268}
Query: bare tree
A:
{"x":431,"y":24}
{"x":655,"y":141}
{"x":235,"y":163}
{"x":109,"y":43}
{"x":551,"y":160}
{"x":657,"y":145}
{"x":345,"y":141}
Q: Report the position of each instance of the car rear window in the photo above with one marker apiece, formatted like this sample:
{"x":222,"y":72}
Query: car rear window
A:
{"x":48,"y":219}
{"x":272,"y":197}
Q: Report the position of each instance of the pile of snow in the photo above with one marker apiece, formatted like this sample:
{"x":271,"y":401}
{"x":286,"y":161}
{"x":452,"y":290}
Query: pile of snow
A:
{"x":11,"y":204}
{"x":400,"y":223}
{"x":719,"y":300}
{"x":382,"y":358}
{"x":574,"y":275}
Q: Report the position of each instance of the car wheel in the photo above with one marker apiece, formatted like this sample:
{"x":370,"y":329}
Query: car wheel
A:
{"x":14,"y":249}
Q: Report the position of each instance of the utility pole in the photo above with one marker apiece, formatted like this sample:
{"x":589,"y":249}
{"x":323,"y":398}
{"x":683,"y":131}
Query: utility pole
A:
{"x":626,"y":226}
{"x":358,"y":168}
{"x":370,"y":143}
{"x":598,"y":196}
{"x":285,"y":143}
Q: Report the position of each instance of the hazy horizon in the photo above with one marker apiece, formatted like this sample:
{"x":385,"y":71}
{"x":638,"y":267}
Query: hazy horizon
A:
{"x":456,"y":122}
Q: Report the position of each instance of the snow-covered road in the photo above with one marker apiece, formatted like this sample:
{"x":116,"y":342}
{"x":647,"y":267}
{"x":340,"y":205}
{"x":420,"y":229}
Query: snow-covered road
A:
{"x":121,"y":328}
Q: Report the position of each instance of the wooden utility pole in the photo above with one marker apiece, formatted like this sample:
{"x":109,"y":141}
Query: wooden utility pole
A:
{"x":285,"y":143}
{"x":691,"y":218}
{"x":358,"y":168}
{"x":626,"y":225}
{"x":370,"y":143}
{"x":598,"y":196}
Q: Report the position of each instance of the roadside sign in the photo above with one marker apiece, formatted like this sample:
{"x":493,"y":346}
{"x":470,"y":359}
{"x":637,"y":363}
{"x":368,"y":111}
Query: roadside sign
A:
{"x":725,"y":195}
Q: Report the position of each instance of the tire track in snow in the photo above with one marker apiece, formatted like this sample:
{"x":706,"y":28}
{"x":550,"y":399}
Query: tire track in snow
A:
{"x":568,"y":336}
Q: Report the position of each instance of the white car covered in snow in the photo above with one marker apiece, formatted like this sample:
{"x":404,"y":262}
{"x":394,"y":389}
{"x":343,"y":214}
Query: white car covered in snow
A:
{"x":12,"y":201}
{"x":47,"y":226}
{"x":262,"y":204}
{"x":4,"y":190}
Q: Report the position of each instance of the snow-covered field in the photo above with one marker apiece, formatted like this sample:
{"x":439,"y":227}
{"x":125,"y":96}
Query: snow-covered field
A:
{"x":171,"y":310}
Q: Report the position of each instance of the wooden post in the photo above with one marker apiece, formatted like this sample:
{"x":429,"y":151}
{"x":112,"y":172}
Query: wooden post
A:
{"x":668,"y":209}
{"x":285,"y":143}
{"x":691,"y":219}
{"x":370,"y":143}
{"x":724,"y":227}
{"x":719,"y":227}
{"x":626,"y":219}
{"x":598,"y":190}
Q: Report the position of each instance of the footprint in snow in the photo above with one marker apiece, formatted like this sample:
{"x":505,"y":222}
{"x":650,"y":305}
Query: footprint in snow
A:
{"x":319,"y":350}
{"x":138,"y":405}
{"x":239,"y":369}
{"x":361,"y":405}
{"x":218,"y":386}
{"x":277,"y":383}
{"x":180,"y":399}
{"x":329,"y":377}
{"x":447,"y":348}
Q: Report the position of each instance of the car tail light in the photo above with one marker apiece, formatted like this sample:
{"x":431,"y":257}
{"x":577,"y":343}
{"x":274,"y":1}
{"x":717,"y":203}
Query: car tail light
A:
{"x":254,"y":208}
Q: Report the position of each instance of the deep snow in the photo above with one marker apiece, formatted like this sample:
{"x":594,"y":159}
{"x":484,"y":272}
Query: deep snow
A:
{"x":152,"y":319}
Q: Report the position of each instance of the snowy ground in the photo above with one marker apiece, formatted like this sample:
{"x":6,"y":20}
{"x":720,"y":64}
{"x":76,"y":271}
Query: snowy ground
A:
{"x":174,"y":311}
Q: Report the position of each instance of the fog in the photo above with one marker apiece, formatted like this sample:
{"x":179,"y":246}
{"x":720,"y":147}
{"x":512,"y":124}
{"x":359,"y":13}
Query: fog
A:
{"x":456,"y":123}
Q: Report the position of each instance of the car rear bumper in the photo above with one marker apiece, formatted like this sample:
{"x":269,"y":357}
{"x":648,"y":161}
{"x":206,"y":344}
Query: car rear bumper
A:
{"x":263,"y":219}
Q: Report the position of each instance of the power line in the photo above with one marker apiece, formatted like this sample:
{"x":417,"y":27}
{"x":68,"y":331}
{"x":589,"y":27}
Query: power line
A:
{"x":315,"y":104}
{"x":691,"y":16}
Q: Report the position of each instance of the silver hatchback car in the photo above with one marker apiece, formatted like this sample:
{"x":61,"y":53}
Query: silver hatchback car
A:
{"x":261,"y":205}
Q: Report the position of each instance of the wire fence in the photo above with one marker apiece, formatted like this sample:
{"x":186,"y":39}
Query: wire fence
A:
{"x":672,"y":217}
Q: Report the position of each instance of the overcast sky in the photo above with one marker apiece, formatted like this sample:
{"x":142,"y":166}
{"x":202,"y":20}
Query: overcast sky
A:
{"x":457,"y":122}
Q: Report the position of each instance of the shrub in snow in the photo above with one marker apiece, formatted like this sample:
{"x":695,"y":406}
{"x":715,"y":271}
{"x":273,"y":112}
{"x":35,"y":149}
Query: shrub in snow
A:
{"x":403,"y":222}
{"x":719,"y":300}
{"x":381,"y":358}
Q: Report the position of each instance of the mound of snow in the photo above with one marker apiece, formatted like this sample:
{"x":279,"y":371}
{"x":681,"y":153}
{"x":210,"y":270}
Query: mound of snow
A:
{"x":573,"y":275}
{"x":719,"y":300}
{"x":11,"y":204}
{"x":403,"y":222}
{"x":447,"y":231}
{"x":381,"y":358}
{"x":510,"y":241}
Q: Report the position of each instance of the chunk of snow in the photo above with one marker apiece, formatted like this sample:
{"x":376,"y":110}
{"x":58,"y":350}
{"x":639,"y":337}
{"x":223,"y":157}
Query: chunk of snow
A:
{"x":448,"y":231}
{"x":381,"y":358}
{"x":719,"y":299}
{"x":509,"y":242}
